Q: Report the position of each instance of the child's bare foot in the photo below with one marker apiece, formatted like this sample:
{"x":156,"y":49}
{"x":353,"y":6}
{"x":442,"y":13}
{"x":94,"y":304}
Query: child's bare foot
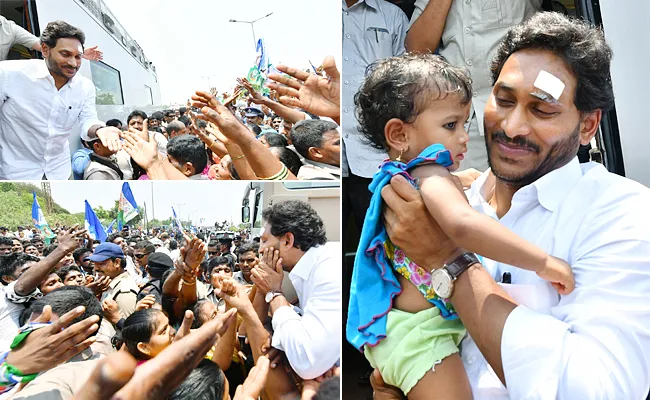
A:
{"x":559,"y":273}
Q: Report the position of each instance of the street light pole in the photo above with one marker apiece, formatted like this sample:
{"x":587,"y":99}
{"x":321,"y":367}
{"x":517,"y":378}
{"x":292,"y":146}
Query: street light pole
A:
{"x":251,"y":23}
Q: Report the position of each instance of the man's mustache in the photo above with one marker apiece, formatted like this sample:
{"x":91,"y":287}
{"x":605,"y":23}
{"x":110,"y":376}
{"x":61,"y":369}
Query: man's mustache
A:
{"x":519,"y":141}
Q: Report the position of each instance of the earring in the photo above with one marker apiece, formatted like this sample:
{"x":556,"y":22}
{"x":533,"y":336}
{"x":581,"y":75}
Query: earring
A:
{"x":399,"y":157}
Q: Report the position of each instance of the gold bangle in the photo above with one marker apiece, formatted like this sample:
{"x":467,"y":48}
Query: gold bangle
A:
{"x":284,"y":172}
{"x":237,"y":158}
{"x":193,"y":282}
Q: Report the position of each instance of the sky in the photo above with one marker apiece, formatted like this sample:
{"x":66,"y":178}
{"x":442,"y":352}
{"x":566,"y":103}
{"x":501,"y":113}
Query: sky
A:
{"x":192,"y":200}
{"x":193,"y":45}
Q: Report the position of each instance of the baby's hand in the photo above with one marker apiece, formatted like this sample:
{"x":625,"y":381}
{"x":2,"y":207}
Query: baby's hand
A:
{"x":559,"y":273}
{"x":467,"y":176}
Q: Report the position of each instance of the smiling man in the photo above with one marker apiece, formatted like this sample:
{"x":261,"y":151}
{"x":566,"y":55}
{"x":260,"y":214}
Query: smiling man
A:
{"x":109,"y":261}
{"x":40,"y":103}
{"x":551,"y":88}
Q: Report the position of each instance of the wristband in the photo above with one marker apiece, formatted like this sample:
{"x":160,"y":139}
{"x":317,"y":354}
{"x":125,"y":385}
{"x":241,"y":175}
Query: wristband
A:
{"x":284,"y":172}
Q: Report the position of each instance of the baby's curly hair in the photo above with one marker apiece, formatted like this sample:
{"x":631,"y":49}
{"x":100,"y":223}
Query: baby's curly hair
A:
{"x":403,"y":87}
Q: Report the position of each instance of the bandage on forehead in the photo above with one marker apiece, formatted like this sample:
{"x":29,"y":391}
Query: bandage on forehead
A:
{"x":550,"y":84}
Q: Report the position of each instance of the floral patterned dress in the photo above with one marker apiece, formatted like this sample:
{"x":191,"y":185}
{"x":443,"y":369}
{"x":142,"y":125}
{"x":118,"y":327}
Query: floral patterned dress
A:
{"x":419,"y":277}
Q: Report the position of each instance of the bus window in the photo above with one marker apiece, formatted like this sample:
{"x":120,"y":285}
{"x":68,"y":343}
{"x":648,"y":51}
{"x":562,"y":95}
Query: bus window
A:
{"x":148,"y":90}
{"x":108,"y":83}
{"x":258,"y":211}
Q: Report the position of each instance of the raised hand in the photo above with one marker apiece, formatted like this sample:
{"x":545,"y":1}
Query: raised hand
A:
{"x":254,"y":382}
{"x":559,"y":273}
{"x":195,"y":253}
{"x":52,"y":345}
{"x":254,"y":96}
{"x":146,"y":302}
{"x":111,"y":311}
{"x":268,"y":274}
{"x":69,"y":238}
{"x":219,"y":115}
{"x":314,"y":93}
{"x":99,"y":286}
{"x":140,"y":147}
{"x":233,"y":294}
{"x":110,"y":137}
{"x":93,"y":54}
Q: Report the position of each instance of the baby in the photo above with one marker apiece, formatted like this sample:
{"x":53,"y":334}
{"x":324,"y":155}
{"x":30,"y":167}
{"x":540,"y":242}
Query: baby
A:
{"x":415,"y":107}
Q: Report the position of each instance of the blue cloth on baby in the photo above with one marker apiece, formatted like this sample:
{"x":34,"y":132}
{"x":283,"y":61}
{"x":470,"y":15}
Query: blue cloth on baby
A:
{"x":373,"y":282}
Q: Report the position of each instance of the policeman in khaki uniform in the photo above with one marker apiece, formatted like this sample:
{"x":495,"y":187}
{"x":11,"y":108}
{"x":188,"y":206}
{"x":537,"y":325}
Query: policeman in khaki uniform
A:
{"x":110,"y":261}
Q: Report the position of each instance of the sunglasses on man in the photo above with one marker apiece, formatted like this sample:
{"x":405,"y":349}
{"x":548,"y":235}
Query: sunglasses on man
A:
{"x":141,"y":255}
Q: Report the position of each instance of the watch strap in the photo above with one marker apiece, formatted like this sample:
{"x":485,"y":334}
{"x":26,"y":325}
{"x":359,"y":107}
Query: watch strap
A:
{"x":461,"y":264}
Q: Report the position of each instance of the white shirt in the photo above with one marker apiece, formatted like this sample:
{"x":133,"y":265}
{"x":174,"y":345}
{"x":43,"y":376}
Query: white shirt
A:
{"x":312,"y":342}
{"x":36,"y":120}
{"x":594,"y":343}
{"x":11,"y":34}
{"x":11,"y":306}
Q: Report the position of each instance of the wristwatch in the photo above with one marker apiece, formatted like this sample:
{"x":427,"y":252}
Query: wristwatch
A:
{"x":442,"y":280}
{"x":271,"y":295}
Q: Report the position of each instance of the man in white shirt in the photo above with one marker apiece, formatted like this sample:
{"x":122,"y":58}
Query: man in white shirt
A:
{"x":311,"y":339}
{"x":552,"y":86}
{"x":40,"y":102}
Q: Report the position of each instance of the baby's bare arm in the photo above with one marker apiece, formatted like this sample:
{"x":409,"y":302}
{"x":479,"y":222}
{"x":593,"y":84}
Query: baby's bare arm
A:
{"x":470,"y":229}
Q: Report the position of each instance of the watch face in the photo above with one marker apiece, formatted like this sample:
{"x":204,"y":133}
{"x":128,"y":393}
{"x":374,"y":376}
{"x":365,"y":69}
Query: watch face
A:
{"x":442,"y":283}
{"x":268,"y":297}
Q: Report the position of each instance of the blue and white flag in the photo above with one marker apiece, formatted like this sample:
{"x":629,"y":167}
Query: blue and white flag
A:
{"x":109,"y":230}
{"x":94,"y":225}
{"x":178,"y":221}
{"x":38,"y":219}
{"x":127,"y":208}
{"x":260,"y":48}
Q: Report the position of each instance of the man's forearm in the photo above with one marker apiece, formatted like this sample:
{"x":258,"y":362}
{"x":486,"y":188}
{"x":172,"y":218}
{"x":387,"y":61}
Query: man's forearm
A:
{"x":33,"y":277}
{"x":483,"y":307}
{"x":287,"y":113}
{"x":277,"y":302}
{"x":426,"y":32}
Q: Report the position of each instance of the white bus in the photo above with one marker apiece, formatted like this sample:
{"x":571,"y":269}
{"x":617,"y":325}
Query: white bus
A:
{"x":124,"y":80}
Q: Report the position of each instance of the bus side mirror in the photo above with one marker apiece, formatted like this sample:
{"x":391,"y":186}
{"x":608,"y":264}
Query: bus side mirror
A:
{"x":245,"y":214}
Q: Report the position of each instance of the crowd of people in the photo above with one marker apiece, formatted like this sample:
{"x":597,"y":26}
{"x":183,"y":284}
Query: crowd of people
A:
{"x":291,"y":133}
{"x":164,"y":314}
{"x":557,"y":298}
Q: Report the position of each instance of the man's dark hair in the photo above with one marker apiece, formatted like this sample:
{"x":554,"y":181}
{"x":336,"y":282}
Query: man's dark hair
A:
{"x":249,"y":246}
{"x":9,"y":263}
{"x":49,"y":249}
{"x":114,"y":122}
{"x":136,"y":113}
{"x":111,"y":238}
{"x":175,"y":126}
{"x":201,"y":123}
{"x":582,"y":47}
{"x":298,"y":218}
{"x":182,"y":111}
{"x":36,"y":240}
{"x":215,"y":262}
{"x":61,"y":30}
{"x":67,"y":298}
{"x":157,"y":116}
{"x":309,"y":133}
{"x":288,"y":158}
{"x":173,"y":245}
{"x":188,"y":148}
{"x":146,"y":246}
{"x":63,"y":272}
{"x":205,"y":381}
{"x":330,"y":389}
{"x":80,"y":252}
{"x":185,"y":120}
{"x":275,"y":139}
{"x":213,"y":243}
{"x":403,"y":87}
{"x":7,"y":241}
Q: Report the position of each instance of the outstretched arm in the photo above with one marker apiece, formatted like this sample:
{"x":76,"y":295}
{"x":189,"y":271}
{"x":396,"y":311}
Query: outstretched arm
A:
{"x":479,"y":233}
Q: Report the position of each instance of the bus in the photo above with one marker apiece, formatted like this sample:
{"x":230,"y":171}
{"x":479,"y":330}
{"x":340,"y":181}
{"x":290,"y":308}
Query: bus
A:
{"x":323,"y":196}
{"x":124,"y":80}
